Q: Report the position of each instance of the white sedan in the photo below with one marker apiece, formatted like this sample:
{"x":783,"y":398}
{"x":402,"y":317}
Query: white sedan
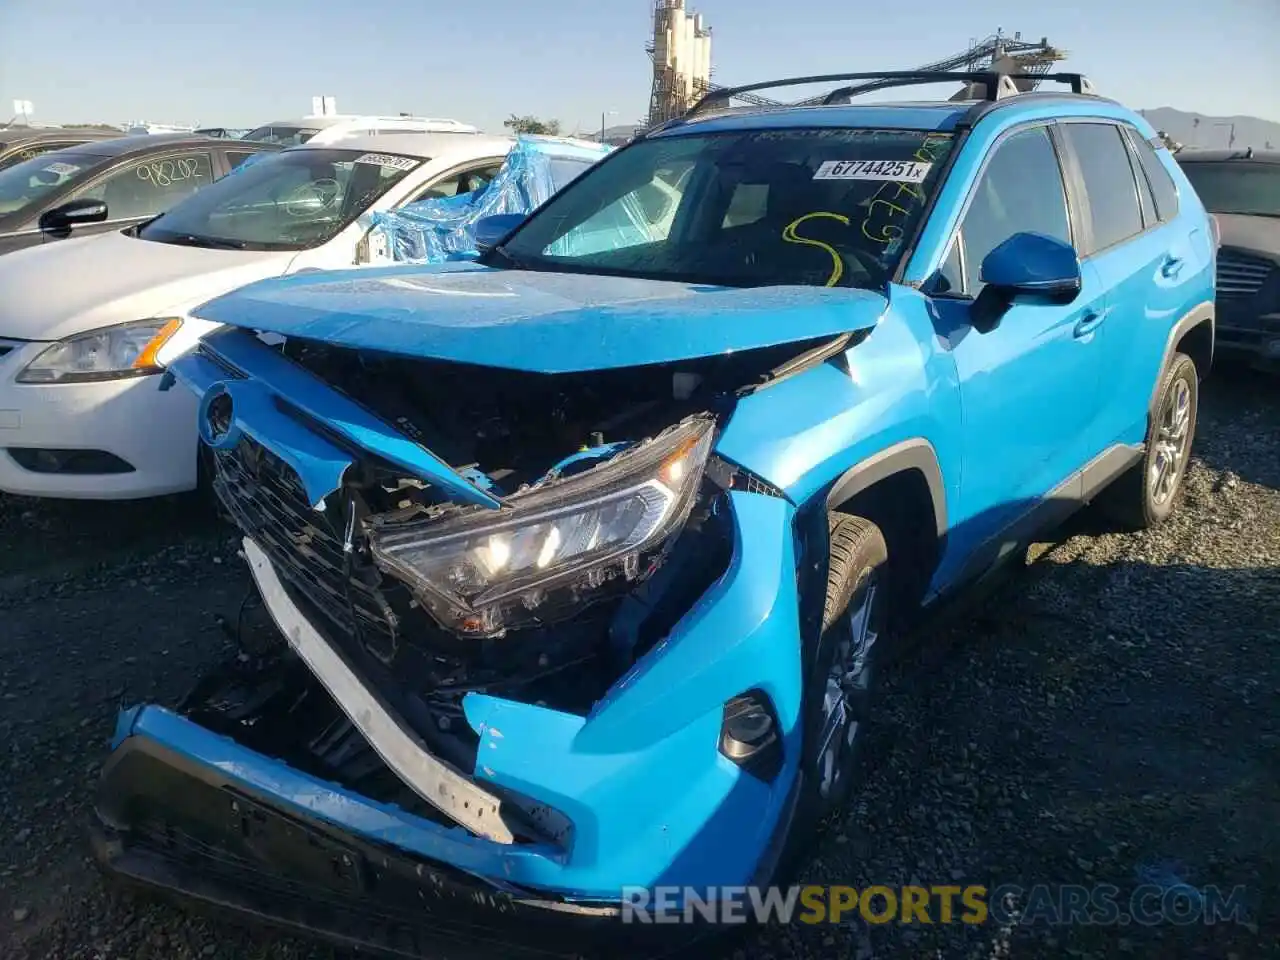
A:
{"x":87,"y":326}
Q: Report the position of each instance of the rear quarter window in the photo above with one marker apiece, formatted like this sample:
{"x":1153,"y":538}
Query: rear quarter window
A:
{"x":1162,"y":186}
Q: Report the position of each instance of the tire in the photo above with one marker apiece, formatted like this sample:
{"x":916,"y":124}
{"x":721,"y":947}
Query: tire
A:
{"x":1146,"y":495}
{"x":853,"y":628}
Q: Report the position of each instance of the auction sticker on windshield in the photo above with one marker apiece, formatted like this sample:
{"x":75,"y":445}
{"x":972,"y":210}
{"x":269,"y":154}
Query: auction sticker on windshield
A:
{"x":62,"y":169}
{"x":901,"y":171}
{"x":386,"y":160}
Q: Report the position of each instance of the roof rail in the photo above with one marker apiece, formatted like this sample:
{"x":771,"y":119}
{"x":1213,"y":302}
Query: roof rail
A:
{"x":997,"y":85}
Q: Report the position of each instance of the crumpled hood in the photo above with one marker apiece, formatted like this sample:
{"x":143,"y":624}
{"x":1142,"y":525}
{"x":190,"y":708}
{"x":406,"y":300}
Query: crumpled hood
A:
{"x":60,"y":289}
{"x":539,"y":322}
{"x":1259,"y":234}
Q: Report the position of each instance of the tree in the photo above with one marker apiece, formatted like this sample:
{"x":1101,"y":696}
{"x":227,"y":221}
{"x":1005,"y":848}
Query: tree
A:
{"x":516,"y":124}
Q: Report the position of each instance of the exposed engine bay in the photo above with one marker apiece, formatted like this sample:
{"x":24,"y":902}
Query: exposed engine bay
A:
{"x":511,"y":427}
{"x":368,"y":572}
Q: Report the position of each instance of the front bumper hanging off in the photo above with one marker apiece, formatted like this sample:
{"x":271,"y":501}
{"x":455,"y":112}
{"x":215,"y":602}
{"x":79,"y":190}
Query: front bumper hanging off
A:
{"x":199,"y":834}
{"x":650,"y":798}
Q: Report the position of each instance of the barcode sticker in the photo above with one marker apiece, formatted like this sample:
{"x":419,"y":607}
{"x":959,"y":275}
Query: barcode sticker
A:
{"x":902,"y":171}
{"x":386,"y":160}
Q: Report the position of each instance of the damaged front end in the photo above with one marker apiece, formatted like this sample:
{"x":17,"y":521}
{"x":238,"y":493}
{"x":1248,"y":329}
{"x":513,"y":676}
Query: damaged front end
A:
{"x":534,"y":642}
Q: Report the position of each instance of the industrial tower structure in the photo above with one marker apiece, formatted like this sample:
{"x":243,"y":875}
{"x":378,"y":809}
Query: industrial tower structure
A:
{"x":680,"y":48}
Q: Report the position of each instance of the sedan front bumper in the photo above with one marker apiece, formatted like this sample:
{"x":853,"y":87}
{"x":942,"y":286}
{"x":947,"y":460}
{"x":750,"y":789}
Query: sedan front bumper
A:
{"x":133,"y":441}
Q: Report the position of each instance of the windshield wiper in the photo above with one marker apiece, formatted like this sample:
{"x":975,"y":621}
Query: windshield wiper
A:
{"x":212,"y":243}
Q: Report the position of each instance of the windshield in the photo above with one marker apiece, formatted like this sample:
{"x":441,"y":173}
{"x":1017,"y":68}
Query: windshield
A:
{"x":283,"y":201}
{"x":832,"y":207}
{"x":1252,"y":189}
{"x":26,"y":184}
{"x":288,"y":136}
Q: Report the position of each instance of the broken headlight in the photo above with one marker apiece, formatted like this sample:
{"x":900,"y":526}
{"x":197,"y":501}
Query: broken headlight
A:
{"x":553,"y":545}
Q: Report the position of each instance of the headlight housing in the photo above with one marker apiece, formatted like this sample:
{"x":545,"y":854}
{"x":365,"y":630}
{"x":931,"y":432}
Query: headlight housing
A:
{"x":552,"y":546}
{"x":112,"y":353}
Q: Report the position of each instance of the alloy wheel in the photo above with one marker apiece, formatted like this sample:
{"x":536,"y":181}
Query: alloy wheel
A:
{"x":1171,"y":444}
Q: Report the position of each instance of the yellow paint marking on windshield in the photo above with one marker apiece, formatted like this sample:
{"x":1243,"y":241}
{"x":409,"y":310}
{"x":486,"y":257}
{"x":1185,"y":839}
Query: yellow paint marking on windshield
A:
{"x":884,"y":213}
{"x":789,"y":234}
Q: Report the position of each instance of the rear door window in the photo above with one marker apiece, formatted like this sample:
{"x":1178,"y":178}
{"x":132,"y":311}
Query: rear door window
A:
{"x":1114,"y":211}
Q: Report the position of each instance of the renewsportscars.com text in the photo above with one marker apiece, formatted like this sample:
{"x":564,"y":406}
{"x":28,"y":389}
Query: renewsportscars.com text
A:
{"x":1053,"y":904}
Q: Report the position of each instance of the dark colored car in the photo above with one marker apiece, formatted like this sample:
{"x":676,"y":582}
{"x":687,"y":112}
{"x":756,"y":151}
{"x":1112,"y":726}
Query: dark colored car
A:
{"x":109,"y":185}
{"x":23,"y":143}
{"x":1241,"y":188}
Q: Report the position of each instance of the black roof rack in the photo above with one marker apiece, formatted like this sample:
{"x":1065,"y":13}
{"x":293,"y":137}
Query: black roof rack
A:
{"x":997,"y":85}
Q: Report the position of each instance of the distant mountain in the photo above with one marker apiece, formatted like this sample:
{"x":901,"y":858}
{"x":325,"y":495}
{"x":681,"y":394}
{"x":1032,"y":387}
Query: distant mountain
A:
{"x":1198,"y":130}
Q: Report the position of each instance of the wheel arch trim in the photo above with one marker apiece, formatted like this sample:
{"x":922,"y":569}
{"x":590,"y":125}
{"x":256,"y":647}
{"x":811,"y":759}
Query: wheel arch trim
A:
{"x":914,"y":454}
{"x":1202,"y":313}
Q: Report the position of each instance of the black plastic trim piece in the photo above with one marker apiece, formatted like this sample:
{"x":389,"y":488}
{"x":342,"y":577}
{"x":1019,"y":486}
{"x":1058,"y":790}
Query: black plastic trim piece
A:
{"x":78,"y":463}
{"x":176,"y":827}
{"x":750,"y":736}
{"x":914,"y":454}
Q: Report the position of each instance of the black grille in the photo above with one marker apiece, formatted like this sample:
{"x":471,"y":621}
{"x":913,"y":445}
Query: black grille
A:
{"x":1240,"y":275}
{"x":269,"y":503}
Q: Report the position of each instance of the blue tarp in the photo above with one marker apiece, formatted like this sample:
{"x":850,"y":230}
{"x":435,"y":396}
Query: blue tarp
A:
{"x":438,"y":230}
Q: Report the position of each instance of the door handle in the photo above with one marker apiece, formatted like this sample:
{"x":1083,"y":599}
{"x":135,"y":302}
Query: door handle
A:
{"x":1171,"y":268}
{"x":1088,"y":323}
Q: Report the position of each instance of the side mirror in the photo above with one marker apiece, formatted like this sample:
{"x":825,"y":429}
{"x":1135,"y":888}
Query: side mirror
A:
{"x":491,"y":230}
{"x":1035,"y":267}
{"x":73,"y":213}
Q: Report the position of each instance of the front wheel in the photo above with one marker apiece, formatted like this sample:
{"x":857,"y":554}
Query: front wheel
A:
{"x":1146,"y":495}
{"x":842,"y":676}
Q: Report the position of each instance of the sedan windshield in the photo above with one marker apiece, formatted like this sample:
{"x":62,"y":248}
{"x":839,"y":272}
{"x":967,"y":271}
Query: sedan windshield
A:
{"x":24,"y":185}
{"x":827,"y":207}
{"x":1252,"y":189}
{"x":292,"y":200}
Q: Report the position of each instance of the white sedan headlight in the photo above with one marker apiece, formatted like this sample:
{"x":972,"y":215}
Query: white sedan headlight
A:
{"x":552,"y":546}
{"x":112,"y":353}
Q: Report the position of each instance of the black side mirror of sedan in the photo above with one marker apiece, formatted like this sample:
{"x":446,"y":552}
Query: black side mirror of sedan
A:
{"x":73,"y":213}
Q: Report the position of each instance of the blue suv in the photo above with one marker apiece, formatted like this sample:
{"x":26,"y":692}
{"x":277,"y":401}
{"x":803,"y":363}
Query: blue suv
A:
{"x":583,"y":559}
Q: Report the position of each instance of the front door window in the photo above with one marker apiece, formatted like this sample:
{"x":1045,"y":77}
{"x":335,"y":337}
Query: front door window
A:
{"x":148,"y":187}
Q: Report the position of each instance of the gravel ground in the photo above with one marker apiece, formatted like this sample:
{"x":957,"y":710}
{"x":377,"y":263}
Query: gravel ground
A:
{"x":1109,"y":715}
